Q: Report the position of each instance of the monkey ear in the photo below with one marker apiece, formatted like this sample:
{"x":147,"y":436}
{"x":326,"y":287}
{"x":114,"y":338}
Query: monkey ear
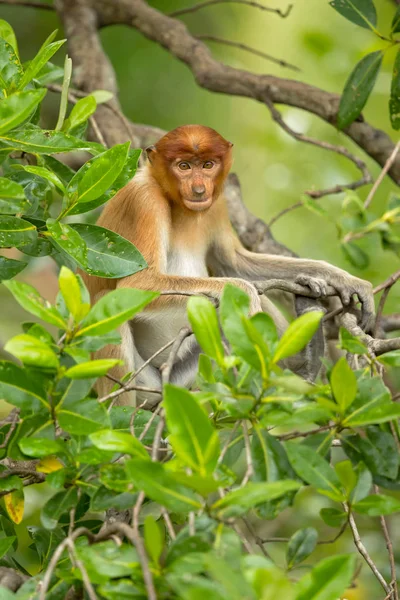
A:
{"x":230,"y":144}
{"x":149,"y":151}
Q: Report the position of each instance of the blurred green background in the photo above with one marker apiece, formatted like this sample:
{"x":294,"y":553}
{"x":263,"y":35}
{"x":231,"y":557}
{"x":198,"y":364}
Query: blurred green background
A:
{"x":273,"y":168}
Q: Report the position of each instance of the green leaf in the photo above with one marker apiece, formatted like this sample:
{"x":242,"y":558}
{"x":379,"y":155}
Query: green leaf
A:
{"x":80,"y":113}
{"x":394,"y":101}
{"x":92,"y":368}
{"x":45,"y":53}
{"x":333,"y":517}
{"x":32,"y":301}
{"x":159,"y":485}
{"x":297,"y":335}
{"x":252,"y":494}
{"x":355,"y":255}
{"x":32,"y":352}
{"x":39,"y":141}
{"x":98,"y":174}
{"x":68,"y":241}
{"x":16,"y":108}
{"x":102,"y":96}
{"x":82,"y":417}
{"x":71,"y":292}
{"x":204,"y":321}
{"x":6,"y":543}
{"x":300,"y":546}
{"x":7,"y":33}
{"x":380,"y":414}
{"x":12,"y":197}
{"x":49,"y":73}
{"x":109,"y":254}
{"x":107,"y":560}
{"x":18,"y":388}
{"x":377,"y":505}
{"x":390,"y":359}
{"x":10,"y":67}
{"x":396,"y":21}
{"x":351,"y":343}
{"x":10,"y":267}
{"x":358,"y":88}
{"x":329,"y":579}
{"x":41,"y":447}
{"x":58,"y":505}
{"x":127,"y":173}
{"x":114,"y":309}
{"x":16,"y":232}
{"x":118,"y":442}
{"x":48,"y":175}
{"x":192,"y":435}
{"x":315,"y":470}
{"x":360,"y":12}
{"x":343,"y":384}
{"x":153,"y":538}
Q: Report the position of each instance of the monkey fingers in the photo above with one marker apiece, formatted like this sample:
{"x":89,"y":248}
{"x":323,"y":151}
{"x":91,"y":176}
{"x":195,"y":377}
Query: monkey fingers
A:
{"x":318,"y":286}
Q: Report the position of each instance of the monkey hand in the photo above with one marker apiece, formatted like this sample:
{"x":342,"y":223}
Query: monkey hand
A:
{"x":348,"y":288}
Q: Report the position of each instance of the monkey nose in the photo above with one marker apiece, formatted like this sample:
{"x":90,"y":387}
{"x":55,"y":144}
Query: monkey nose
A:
{"x":198,"y":189}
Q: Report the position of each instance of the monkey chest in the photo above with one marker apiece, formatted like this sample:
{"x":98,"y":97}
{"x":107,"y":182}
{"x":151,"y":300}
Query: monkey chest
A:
{"x":187,"y":262}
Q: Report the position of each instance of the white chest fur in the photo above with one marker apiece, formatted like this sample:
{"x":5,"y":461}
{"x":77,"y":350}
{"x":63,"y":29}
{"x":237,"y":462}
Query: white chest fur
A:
{"x":188,"y":262}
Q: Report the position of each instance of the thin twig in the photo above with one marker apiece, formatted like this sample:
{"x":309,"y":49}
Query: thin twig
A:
{"x":249,"y":461}
{"x":379,"y":312}
{"x":13,"y":419}
{"x":218,"y":40}
{"x":196,"y":7}
{"x":226,"y":445}
{"x":28,"y":4}
{"x":316,"y":194}
{"x":97,"y":131}
{"x":168,"y":523}
{"x":388,"y":282}
{"x":150,"y":422}
{"x":382,"y":174}
{"x":389,"y":546}
{"x":296,"y":434}
{"x":364,"y":553}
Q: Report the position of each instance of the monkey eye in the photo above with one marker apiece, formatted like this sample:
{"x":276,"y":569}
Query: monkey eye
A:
{"x":208,"y":165}
{"x":184,"y":166}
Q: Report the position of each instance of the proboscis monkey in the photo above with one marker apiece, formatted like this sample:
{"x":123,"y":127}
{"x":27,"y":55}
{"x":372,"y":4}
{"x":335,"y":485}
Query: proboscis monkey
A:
{"x":174,"y":212}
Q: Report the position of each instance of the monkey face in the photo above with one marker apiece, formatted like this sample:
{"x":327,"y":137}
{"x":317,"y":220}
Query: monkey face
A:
{"x":196,"y":181}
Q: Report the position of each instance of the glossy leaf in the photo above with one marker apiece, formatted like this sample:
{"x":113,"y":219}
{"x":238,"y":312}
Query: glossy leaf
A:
{"x":6,"y":543}
{"x":41,"y":447}
{"x":192,"y":435}
{"x":40,"y":141}
{"x":300,"y":546}
{"x":351,"y":343}
{"x":114,"y":309}
{"x":297,"y":335}
{"x":69,"y":241}
{"x":10,"y":66}
{"x":116,"y":441}
{"x":344,"y":384}
{"x":14,"y":503}
{"x":82,"y":417}
{"x":109,"y":254}
{"x":328,"y":579}
{"x":159,"y":485}
{"x":80,"y":112}
{"x":10,"y":267}
{"x":243,"y":499}
{"x":394,"y":101}
{"x":204,"y":321}
{"x":15,"y":232}
{"x":7,"y":33}
{"x":32,"y":352}
{"x":58,"y":505}
{"x":314,"y":469}
{"x":71,"y":292}
{"x":153,"y":538}
{"x":377,"y":505}
{"x":45,"y":53}
{"x":17,"y":387}
{"x":16,"y":108}
{"x":360,"y":12}
{"x":48,"y":175}
{"x":396,"y":21}
{"x":358,"y":88}
{"x":380,"y":414}
{"x":32,"y":301}
{"x":93,"y":368}
{"x":98,"y":174}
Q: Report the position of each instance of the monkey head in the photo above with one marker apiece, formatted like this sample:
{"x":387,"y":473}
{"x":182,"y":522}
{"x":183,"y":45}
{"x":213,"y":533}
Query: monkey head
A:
{"x":191,"y":164}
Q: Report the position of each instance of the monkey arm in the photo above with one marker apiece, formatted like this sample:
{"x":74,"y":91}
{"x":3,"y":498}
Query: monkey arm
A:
{"x":152,"y":279}
{"x":232,"y":260}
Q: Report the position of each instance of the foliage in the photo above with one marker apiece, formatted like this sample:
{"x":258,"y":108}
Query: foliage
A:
{"x":208,"y":466}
